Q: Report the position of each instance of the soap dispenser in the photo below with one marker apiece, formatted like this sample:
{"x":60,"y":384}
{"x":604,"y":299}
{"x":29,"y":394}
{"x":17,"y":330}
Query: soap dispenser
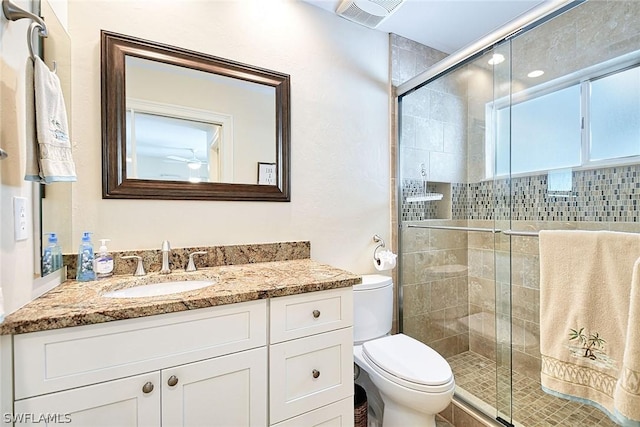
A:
{"x":85,"y":271}
{"x":104,"y":261}
{"x":52,"y":257}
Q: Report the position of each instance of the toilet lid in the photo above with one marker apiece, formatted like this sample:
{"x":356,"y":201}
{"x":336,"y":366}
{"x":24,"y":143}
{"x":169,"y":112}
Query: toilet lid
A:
{"x":373,"y":281}
{"x":409,"y":362}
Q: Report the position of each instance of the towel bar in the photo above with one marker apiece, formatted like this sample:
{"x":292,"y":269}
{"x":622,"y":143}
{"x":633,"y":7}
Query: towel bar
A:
{"x":484,"y":230}
{"x":520,"y":233}
{"x":454,"y":228}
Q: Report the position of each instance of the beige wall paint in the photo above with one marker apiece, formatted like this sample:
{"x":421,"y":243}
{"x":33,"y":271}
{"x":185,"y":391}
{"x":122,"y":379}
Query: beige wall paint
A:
{"x":340,"y":130}
{"x":340,"y":122}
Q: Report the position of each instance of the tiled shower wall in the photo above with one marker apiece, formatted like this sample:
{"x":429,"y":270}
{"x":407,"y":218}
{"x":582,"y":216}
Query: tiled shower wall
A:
{"x":434,"y":262}
{"x":451,"y":278}
{"x":435,"y":287}
{"x":408,"y":59}
{"x":498,"y":276}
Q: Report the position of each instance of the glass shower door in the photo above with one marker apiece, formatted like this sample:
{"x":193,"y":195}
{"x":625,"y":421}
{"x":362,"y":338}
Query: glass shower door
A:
{"x":499,"y":142}
{"x":455,"y":266}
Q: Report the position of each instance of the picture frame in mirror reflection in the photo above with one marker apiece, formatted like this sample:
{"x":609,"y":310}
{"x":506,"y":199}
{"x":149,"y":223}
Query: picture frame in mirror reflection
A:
{"x":245,"y":110}
{"x":267,"y":173}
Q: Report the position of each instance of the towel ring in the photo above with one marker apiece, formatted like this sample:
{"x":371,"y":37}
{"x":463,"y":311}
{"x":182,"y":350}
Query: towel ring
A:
{"x":377,"y":239}
{"x":32,"y":27}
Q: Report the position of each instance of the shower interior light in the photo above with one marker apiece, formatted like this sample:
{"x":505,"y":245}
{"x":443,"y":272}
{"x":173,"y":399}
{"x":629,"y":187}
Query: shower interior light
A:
{"x":535,"y":73}
{"x":496,"y":59}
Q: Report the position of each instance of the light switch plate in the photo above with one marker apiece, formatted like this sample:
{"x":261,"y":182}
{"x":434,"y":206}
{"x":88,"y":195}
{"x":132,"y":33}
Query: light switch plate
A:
{"x":20,"y":215}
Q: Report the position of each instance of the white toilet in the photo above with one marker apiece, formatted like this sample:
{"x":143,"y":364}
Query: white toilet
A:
{"x":414,"y":381}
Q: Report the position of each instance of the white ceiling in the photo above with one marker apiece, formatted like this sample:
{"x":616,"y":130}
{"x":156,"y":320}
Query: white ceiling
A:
{"x":446,"y":25}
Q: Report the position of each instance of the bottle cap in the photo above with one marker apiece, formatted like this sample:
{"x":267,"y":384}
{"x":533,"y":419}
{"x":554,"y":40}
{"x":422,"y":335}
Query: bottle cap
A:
{"x":103,"y":245}
{"x":86,"y":236}
{"x":52,"y":237}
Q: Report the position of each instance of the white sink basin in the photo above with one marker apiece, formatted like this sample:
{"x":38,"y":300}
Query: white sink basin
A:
{"x":157,"y":289}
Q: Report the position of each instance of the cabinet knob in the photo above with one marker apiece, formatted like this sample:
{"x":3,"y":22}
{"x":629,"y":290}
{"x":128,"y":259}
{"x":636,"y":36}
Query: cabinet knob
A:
{"x":147,"y":387}
{"x":316,"y":313}
{"x":315,"y":373}
{"x":173,"y":380}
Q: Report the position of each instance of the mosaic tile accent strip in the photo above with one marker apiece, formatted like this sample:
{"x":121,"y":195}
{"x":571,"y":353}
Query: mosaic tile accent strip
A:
{"x":598,"y":195}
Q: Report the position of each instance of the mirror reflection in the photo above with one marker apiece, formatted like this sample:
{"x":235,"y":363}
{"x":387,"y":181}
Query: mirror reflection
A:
{"x":189,"y":125}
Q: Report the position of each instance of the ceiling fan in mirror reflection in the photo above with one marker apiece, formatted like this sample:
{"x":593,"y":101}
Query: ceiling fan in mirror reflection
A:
{"x":193,"y":162}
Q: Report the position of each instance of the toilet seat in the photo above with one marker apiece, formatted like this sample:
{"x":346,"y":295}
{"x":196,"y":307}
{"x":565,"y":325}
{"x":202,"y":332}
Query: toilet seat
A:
{"x":408,"y":362}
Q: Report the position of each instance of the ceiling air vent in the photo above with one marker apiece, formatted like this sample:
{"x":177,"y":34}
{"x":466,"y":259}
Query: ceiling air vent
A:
{"x":369,"y":13}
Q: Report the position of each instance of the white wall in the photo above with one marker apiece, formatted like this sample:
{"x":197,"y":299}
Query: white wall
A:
{"x":16,"y":258}
{"x":340,"y":127}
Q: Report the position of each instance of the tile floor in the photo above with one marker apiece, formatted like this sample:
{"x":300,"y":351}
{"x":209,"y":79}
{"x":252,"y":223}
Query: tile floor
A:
{"x":476,"y":378}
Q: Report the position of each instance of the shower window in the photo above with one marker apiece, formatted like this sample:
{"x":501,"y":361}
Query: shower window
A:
{"x":590,"y":121}
{"x":615,"y":115}
{"x":539,"y":126}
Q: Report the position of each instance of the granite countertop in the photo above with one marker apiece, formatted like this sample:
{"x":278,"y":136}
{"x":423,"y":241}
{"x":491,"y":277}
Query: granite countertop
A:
{"x":82,"y":303}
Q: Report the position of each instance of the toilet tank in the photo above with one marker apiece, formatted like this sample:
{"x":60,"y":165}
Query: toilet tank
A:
{"x":372,"y":307}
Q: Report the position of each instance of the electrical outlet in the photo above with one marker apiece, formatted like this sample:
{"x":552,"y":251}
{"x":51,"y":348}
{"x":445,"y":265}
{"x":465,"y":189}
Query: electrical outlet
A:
{"x":20,"y":216}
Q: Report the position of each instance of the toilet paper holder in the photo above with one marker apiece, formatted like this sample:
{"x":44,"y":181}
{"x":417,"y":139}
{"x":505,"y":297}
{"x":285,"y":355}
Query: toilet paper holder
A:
{"x":377,"y":239}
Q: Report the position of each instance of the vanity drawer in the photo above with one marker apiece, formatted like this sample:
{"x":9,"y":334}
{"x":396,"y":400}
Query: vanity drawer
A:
{"x":310,"y":372}
{"x":60,"y":359}
{"x":339,"y":414}
{"x":311,"y":313}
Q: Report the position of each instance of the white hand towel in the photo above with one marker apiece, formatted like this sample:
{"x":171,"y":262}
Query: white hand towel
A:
{"x":54,"y":148}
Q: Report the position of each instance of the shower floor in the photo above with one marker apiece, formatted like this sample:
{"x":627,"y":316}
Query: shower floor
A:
{"x":475,"y":377}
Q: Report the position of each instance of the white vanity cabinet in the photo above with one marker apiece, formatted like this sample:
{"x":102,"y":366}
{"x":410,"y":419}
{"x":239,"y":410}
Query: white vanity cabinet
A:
{"x":284,"y":361}
{"x":311,"y":359}
{"x":203,"y":367}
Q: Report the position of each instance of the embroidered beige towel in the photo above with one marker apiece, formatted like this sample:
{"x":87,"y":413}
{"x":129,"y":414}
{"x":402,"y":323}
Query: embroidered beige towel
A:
{"x":627,"y":394}
{"x":585,"y":287}
{"x":54,"y":155}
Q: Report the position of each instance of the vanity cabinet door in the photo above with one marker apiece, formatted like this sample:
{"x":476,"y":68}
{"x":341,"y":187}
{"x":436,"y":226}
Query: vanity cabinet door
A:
{"x":226,"y":391}
{"x":128,"y":402}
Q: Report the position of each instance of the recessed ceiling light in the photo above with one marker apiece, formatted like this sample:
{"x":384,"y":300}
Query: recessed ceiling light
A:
{"x":496,"y":59}
{"x":535,"y":73}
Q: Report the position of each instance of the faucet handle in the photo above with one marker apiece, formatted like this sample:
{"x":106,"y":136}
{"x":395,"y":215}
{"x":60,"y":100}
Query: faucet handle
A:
{"x":166,"y":246}
{"x":192,"y":266}
{"x":140,"y":267}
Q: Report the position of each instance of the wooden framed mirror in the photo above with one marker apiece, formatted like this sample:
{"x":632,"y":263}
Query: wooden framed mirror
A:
{"x":179,"y":124}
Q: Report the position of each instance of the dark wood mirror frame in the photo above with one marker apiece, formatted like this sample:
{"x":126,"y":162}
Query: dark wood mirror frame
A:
{"x":116,"y":185}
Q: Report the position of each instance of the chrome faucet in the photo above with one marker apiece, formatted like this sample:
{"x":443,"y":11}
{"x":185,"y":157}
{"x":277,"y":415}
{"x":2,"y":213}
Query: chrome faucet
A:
{"x":166,"y":250}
